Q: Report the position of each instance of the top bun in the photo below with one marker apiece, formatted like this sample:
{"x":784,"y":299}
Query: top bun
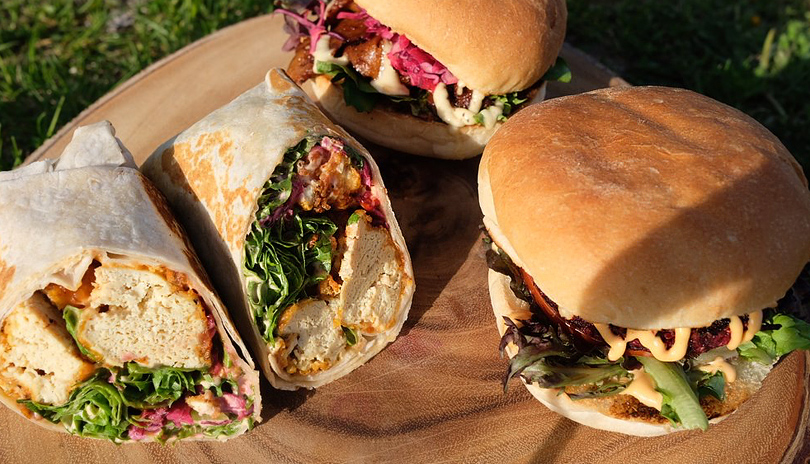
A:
{"x":478,"y":39}
{"x":647,"y":207}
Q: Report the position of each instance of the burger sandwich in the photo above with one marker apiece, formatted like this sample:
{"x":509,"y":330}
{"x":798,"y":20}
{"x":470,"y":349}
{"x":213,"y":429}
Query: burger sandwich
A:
{"x":648,"y":254}
{"x":425,"y":77}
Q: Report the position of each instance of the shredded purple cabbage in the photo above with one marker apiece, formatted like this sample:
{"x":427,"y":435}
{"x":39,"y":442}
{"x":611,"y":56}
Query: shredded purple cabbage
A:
{"x":294,"y":22}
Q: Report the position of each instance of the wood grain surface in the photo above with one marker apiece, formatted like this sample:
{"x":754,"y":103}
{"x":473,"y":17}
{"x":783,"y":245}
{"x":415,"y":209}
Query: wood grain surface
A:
{"x":435,"y":394}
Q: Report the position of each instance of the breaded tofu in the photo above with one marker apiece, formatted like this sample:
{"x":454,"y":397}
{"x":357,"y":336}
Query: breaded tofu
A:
{"x":135,"y":314}
{"x":38,"y":357}
{"x":371,"y":270}
{"x":310,"y":327}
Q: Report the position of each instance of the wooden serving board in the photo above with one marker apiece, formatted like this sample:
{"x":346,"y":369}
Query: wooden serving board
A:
{"x":435,"y":394}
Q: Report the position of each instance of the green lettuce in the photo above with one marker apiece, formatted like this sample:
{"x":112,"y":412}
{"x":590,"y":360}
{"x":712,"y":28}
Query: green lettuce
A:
{"x":143,"y":388}
{"x":560,"y":72}
{"x":360,"y":94}
{"x":781,"y":334}
{"x":71,"y":316}
{"x":680,"y":402}
{"x":707,"y":383}
{"x":105,"y":405}
{"x":95,"y":409}
{"x":285,"y":257}
{"x":351,"y":335}
{"x":357,"y":90}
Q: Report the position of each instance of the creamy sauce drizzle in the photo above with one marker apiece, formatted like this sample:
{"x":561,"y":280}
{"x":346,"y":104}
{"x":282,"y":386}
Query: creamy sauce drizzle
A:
{"x":387,"y":81}
{"x":720,"y":364}
{"x":735,"y":326}
{"x":754,"y":324}
{"x":491,"y":114}
{"x":456,"y":117}
{"x":324,"y":53}
{"x":657,"y":347}
{"x":649,"y":340}
{"x":642,"y":388}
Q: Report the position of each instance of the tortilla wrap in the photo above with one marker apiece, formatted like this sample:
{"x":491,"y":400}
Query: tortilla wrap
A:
{"x":213,"y":175}
{"x":90,"y":213}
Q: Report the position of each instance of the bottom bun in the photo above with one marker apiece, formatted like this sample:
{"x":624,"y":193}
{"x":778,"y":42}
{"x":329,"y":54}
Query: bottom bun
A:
{"x":403,"y":132}
{"x":618,"y":413}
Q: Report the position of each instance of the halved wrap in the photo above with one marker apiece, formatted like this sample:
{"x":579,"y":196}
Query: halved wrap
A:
{"x":109,"y":325}
{"x":293,"y":220}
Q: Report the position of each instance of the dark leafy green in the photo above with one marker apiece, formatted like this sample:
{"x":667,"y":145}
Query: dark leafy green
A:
{"x":351,"y":335}
{"x":560,"y":72}
{"x":547,"y":357}
{"x":71,"y":316}
{"x":144,"y":388}
{"x":284,"y":254}
{"x":770,"y":344}
{"x":95,"y":409}
{"x":360,"y":94}
{"x":357,"y":91}
{"x":707,"y":383}
{"x":105,"y":405}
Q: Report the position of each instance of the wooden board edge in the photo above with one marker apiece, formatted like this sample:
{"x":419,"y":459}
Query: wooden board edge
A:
{"x":799,"y":448}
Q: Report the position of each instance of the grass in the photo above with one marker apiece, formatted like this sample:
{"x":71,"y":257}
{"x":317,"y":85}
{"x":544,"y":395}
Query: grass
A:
{"x":754,"y":55}
{"x":58,"y":57}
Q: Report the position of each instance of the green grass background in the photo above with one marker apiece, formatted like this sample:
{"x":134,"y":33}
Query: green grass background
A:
{"x":58,"y":57}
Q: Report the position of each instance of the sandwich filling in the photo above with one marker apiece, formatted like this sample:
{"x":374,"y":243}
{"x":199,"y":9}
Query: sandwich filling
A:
{"x":324,"y":276}
{"x":684,"y":376}
{"x":132,"y":353}
{"x":377,"y":67}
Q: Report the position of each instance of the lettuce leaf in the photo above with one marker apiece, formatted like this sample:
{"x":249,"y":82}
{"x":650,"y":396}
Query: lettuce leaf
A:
{"x":71,"y":316}
{"x":351,"y":335}
{"x":560,"y":72}
{"x":143,"y":388}
{"x":707,"y":384}
{"x":681,"y":404}
{"x":95,"y":409}
{"x":547,"y":357}
{"x":105,"y":405}
{"x":357,"y":91}
{"x":510,"y":101}
{"x":781,"y":334}
{"x":286,"y":256}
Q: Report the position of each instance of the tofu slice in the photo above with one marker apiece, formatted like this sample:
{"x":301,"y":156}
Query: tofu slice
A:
{"x":312,"y":335}
{"x":371,"y":270}
{"x":135,"y":314}
{"x":38,"y":358}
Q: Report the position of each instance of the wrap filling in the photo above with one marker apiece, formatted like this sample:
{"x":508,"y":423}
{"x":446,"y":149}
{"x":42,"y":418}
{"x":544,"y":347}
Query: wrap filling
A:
{"x":132,"y":353}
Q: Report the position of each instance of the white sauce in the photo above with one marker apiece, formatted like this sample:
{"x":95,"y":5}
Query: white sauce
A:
{"x":642,"y":388}
{"x":492,"y":114}
{"x":324,"y":53}
{"x":387,"y":81}
{"x":456,"y":117}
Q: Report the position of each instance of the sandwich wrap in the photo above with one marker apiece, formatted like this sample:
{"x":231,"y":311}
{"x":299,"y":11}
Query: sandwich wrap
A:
{"x":293,"y":220}
{"x":110,"y":327}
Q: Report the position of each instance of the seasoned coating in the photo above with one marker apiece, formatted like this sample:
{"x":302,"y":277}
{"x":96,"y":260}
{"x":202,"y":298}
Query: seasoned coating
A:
{"x":38,"y":358}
